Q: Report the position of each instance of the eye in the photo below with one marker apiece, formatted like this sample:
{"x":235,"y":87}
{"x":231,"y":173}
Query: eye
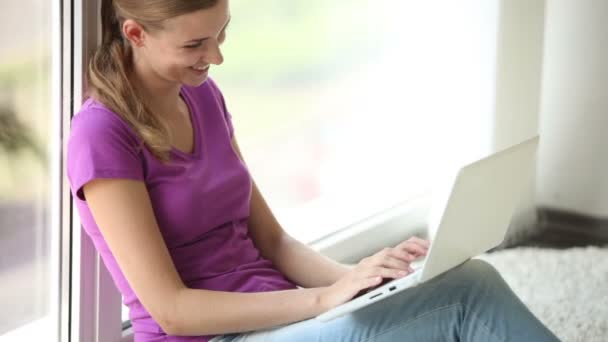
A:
{"x":193,"y":46}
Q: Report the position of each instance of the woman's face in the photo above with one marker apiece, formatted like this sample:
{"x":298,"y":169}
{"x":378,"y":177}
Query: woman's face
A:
{"x":184,"y":49}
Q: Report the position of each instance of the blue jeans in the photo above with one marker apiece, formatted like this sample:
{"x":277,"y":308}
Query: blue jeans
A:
{"x":468,"y":303}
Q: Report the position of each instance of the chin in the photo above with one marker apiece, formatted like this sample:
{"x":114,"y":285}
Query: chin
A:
{"x":195,"y":82}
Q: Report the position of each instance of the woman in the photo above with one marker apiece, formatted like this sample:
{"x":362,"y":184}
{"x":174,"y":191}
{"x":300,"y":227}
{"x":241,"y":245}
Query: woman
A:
{"x":162,"y":190}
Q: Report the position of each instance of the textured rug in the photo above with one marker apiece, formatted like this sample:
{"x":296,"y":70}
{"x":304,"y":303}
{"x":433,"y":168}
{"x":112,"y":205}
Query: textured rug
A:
{"x":566,"y":289}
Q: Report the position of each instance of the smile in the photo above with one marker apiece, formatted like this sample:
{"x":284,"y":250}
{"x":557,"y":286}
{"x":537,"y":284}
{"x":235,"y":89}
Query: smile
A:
{"x":200,"y":68}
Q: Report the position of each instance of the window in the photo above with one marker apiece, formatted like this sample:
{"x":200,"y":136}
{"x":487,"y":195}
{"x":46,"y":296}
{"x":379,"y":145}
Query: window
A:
{"x":346,"y":108}
{"x":30,"y":148}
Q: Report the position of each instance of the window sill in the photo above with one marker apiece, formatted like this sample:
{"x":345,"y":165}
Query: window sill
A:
{"x":37,"y":330}
{"x":376,"y":232}
{"x":127,"y":335}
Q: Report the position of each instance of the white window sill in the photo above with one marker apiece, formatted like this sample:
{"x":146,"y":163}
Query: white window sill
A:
{"x":374,"y":233}
{"x":37,"y":330}
{"x":127,"y":335}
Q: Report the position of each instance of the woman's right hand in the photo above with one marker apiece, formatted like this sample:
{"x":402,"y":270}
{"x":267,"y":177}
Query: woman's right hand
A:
{"x":389,"y":263}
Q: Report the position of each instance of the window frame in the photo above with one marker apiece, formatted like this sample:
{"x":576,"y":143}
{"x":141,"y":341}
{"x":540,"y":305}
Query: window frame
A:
{"x":64,"y":9}
{"x":95,"y":301}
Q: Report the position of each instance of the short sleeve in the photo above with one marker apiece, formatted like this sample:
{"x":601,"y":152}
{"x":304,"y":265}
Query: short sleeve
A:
{"x":101,"y":146}
{"x":220,"y":97}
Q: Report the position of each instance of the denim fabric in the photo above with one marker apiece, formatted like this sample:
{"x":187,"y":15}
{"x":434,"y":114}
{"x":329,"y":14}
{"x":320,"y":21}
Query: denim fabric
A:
{"x":471,"y":302}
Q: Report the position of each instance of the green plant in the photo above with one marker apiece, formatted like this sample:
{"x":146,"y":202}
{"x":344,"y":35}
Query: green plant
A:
{"x":14,"y":136}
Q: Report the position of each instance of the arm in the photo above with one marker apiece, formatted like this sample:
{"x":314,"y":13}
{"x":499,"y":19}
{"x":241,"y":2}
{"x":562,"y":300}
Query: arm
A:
{"x":122,"y":210}
{"x":297,"y":261}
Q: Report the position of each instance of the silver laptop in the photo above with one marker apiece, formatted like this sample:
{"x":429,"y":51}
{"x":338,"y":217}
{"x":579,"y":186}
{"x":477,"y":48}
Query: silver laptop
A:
{"x":475,"y":219}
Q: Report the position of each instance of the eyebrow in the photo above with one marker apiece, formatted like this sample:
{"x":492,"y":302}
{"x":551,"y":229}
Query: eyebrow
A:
{"x":203,"y":39}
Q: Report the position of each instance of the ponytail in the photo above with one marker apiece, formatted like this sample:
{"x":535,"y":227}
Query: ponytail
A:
{"x":108,"y":82}
{"x":110,"y":26}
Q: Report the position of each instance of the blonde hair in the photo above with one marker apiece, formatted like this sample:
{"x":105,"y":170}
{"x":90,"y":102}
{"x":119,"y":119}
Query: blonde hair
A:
{"x":108,"y":72}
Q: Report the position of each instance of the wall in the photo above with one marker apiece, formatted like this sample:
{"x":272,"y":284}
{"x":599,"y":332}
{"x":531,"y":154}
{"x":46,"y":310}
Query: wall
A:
{"x":518,"y":88}
{"x":573,"y":156}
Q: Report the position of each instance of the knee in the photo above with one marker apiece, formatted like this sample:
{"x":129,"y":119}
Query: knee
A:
{"x":479,"y":267}
{"x":478,"y":283}
{"x":478,"y":273}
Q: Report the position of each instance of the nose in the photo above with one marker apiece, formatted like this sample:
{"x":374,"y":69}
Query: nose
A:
{"x":214,"y":54}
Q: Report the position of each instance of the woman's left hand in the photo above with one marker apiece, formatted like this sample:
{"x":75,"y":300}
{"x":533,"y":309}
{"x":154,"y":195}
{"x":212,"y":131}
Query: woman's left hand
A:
{"x":414,"y":246}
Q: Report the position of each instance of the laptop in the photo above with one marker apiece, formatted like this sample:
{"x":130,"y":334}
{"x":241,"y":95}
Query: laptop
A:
{"x":475,"y":219}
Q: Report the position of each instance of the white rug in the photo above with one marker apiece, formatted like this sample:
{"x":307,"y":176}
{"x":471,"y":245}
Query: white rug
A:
{"x":566,"y":289}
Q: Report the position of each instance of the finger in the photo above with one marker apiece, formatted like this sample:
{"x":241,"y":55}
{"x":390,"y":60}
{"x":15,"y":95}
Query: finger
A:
{"x":360,"y":286}
{"x":416,"y":240}
{"x":422,"y":242}
{"x":385,"y":272}
{"x":397,"y":260}
{"x":403,"y":254}
{"x":385,"y":255}
{"x":400,"y":265}
{"x":413,"y":248}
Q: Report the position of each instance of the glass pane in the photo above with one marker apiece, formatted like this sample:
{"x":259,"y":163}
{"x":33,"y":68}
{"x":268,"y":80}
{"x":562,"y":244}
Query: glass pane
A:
{"x":27,"y":272}
{"x":345,"y":108}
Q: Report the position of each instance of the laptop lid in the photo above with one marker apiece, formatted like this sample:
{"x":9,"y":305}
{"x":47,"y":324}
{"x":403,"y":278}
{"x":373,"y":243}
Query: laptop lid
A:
{"x":480,"y":206}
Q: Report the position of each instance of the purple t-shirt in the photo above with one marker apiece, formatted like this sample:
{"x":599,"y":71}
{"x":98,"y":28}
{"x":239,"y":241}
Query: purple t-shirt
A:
{"x":200,"y":201}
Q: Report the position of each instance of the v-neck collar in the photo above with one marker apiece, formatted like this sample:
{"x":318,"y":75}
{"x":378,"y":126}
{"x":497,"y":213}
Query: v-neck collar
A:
{"x":194,"y":121}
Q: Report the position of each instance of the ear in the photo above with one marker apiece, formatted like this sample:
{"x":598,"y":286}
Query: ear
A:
{"x":134,"y":32}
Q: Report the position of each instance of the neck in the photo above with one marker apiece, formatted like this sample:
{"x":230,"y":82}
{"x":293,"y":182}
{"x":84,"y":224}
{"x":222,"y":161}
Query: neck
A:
{"x":160,"y":95}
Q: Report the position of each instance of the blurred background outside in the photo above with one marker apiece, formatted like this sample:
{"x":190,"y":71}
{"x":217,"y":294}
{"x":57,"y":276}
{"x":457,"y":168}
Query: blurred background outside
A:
{"x":26,"y":117}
